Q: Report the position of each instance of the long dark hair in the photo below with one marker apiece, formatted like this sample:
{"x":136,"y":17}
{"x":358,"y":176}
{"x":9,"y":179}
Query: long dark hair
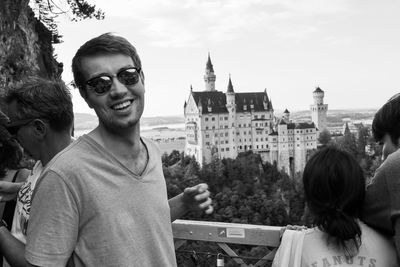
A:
{"x":334,"y":187}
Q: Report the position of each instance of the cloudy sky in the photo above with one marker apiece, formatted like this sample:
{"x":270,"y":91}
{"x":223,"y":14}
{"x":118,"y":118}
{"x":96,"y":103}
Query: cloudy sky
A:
{"x":350,"y":48}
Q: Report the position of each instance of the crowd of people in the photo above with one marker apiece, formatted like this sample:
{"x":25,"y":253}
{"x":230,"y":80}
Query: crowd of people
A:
{"x":101,"y":199}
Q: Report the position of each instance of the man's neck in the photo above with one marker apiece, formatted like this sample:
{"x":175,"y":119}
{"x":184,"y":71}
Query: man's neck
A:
{"x":53,"y":145}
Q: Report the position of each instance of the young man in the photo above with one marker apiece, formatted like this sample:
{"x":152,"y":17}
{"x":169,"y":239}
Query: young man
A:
{"x":103,"y":200}
{"x":41,"y":119}
{"x":382,"y":202}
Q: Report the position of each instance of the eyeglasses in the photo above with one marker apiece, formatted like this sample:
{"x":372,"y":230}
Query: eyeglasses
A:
{"x":14,"y":126}
{"x":102,"y":84}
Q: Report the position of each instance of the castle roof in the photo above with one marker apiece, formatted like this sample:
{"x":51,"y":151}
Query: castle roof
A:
{"x":301,"y":125}
{"x":209,"y":65}
{"x":318,"y":90}
{"x":274,"y":133}
{"x":286,"y":111}
{"x":282,"y":122}
{"x":217,"y":101}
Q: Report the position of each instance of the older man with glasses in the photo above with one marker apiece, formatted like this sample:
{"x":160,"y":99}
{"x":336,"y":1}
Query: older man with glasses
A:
{"x":382,"y":201}
{"x":103,"y":200}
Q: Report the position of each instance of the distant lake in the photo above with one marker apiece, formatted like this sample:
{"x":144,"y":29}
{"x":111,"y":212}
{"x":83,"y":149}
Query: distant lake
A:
{"x":160,"y":127}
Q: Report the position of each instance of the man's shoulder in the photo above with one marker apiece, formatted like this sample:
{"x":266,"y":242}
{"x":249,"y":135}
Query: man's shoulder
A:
{"x":392,"y":163}
{"x":72,"y":154}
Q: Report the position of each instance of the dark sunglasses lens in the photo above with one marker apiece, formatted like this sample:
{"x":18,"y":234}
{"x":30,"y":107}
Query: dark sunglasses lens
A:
{"x":100,"y":84}
{"x":129,"y":76}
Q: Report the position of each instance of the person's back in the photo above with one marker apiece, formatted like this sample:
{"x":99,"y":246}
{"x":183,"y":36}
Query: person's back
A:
{"x":334,"y":187}
{"x":375,"y":250}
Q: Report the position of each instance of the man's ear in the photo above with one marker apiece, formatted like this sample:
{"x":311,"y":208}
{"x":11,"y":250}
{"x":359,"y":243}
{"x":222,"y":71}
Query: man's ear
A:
{"x":84,"y":95}
{"x":40,"y":129}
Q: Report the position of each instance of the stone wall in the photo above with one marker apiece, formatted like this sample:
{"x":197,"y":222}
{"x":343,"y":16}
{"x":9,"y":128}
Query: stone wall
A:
{"x":25,"y":45}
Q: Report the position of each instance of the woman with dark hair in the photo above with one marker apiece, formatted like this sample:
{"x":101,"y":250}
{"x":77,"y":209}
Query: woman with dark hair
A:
{"x":334,"y":187}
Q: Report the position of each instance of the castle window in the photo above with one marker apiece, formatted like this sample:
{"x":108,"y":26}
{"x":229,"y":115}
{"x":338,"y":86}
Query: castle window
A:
{"x":256,"y":124}
{"x":298,"y":138}
{"x":249,"y":146}
{"x":207,"y":136}
{"x":226,"y":118}
{"x":222,"y":149}
{"x":233,"y":125}
{"x":226,"y":126}
{"x":226,"y":134}
{"x":237,"y":133}
{"x":261,"y":139}
{"x":240,"y":125}
{"x":298,"y":145}
{"x":206,"y":127}
{"x":221,"y":126}
{"x":256,"y":139}
{"x":249,"y":132}
{"x":207,"y":143}
{"x":216,"y":142}
{"x":227,"y":149}
{"x":262,"y":116}
{"x":244,"y":132}
{"x":212,"y":119}
{"x":240,"y":147}
{"x":255,"y":117}
{"x":257,"y":146}
{"x":216,"y":135}
{"x":221,"y":134}
{"x":213,"y":127}
{"x":206,"y":119}
{"x":249,"y":124}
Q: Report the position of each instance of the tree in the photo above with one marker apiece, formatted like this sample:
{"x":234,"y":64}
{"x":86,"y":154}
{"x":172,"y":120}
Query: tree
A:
{"x":48,"y":11}
{"x":324,"y":137}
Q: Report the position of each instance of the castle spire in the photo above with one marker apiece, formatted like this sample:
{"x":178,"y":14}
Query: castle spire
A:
{"x":230,"y":86}
{"x":209,"y":76}
{"x":209,"y":65}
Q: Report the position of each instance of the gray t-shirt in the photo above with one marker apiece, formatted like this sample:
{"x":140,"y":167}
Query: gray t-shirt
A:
{"x":90,"y":210}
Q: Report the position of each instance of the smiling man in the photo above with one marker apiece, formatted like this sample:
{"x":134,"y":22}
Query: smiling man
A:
{"x":103,"y":200}
{"x":382,"y":200}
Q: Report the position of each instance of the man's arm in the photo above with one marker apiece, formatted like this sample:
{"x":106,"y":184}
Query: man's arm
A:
{"x":196,"y":198}
{"x":11,"y":248}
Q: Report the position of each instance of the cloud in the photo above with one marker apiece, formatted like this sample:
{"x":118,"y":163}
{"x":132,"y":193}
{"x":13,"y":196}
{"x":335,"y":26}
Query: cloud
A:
{"x":182,"y":23}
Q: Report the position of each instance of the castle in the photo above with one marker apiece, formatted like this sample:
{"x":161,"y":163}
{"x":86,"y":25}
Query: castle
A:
{"x":225,"y":124}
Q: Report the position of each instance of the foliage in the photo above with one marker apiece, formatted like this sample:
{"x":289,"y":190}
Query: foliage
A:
{"x":324,"y":137}
{"x":77,"y":10}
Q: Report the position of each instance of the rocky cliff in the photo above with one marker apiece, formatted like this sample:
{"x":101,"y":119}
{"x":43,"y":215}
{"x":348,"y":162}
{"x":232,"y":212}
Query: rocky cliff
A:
{"x":25,"y":45}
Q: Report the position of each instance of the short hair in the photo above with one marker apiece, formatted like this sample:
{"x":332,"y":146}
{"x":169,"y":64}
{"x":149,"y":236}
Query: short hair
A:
{"x":387,"y":120}
{"x":105,"y":44}
{"x":334,"y":189}
{"x":43,"y":98}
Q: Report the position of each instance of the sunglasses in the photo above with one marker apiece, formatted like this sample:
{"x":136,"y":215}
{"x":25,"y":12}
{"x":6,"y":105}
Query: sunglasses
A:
{"x":14,"y":126}
{"x":102,"y":84}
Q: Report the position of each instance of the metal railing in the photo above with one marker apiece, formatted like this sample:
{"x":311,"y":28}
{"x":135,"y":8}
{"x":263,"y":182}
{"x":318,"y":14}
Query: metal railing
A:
{"x":224,"y":234}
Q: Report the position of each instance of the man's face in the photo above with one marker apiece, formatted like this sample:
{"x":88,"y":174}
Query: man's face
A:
{"x":122,"y":106}
{"x":388,"y":146}
{"x":24,"y":133}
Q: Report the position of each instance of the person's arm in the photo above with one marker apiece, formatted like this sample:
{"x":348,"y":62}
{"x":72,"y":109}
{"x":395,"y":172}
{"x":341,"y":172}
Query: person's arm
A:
{"x":9,"y":190}
{"x":376,"y":210}
{"x":196,"y":198}
{"x":11,"y":248}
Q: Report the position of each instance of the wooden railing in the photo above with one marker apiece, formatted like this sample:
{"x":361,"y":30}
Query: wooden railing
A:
{"x":224,"y":234}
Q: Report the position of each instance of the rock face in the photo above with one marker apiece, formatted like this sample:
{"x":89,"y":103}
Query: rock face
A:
{"x":25,"y":45}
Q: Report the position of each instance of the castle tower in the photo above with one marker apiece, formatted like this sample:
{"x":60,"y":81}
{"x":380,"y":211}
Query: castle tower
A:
{"x":209,"y":76}
{"x":319,"y":110}
{"x":286,"y":116}
{"x":231,"y":107}
{"x":230,"y":96}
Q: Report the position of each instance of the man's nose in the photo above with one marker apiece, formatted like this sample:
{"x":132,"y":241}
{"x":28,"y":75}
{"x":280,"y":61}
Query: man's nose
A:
{"x":117,"y":88}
